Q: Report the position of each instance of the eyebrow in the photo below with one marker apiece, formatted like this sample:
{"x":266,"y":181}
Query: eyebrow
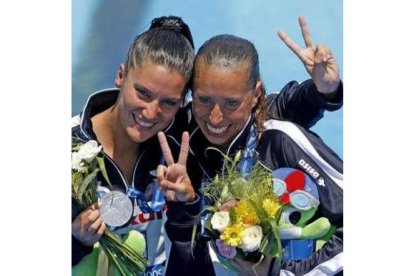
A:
{"x":142,"y":88}
{"x":234,"y":99}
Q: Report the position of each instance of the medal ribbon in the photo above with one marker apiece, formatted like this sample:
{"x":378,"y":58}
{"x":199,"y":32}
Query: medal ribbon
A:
{"x":157,"y":201}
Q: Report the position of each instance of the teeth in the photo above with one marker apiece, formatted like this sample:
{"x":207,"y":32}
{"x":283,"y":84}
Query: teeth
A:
{"x":216,"y":130}
{"x":143,"y":123}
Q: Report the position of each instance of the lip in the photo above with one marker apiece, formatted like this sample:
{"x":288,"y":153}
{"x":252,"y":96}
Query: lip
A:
{"x":142,"y":123}
{"x":217,"y":131}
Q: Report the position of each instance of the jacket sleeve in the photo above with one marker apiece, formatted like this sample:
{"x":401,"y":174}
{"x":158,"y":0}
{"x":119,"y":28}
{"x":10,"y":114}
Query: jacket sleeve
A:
{"x":186,"y":257}
{"x":280,"y":149}
{"x":79,"y":251}
{"x":302,"y":103}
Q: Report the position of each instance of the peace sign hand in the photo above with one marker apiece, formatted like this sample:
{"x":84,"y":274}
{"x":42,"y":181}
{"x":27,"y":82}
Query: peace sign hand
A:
{"x":173,"y":178}
{"x":319,"y":61}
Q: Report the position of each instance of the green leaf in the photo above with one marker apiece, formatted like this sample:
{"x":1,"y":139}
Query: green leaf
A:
{"x":103,"y":263}
{"x":101,"y":164}
{"x":77,"y":179}
{"x":126,"y":260}
{"x":276,"y":249}
{"x":266,"y":226}
{"x":193,"y":234}
{"x":86,"y":183}
{"x":264,"y":244}
{"x":237,"y":157}
{"x":233,"y":215}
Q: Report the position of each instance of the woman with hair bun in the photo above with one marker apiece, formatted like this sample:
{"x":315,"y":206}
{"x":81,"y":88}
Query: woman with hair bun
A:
{"x":150,"y":86}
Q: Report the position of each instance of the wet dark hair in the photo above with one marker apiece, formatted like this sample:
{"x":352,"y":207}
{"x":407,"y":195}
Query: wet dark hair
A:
{"x":167,"y":42}
{"x":232,"y":52}
{"x":173,"y":23}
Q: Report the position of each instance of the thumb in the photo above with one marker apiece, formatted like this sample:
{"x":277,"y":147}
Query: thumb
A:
{"x":170,"y":195}
{"x":161,"y":173}
{"x":95,"y":206}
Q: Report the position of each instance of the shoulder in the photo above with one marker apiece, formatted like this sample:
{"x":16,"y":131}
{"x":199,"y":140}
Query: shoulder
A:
{"x":277,"y":129}
{"x":286,"y":141}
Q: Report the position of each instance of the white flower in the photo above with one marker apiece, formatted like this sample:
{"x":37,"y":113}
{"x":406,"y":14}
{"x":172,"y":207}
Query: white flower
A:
{"x":251,"y":238}
{"x":89,"y":150}
{"x":220,"y":220}
{"x":77,"y":163}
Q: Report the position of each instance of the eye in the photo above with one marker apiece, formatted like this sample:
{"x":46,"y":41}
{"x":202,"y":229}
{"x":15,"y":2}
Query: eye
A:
{"x":143,"y":94}
{"x":204,"y":100}
{"x":294,"y":217}
{"x":232,"y":104}
{"x":291,"y":216}
{"x":169,"y":102}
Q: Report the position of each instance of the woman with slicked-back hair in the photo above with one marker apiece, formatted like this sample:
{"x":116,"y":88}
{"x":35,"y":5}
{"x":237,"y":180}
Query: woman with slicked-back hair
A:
{"x":229,"y":111}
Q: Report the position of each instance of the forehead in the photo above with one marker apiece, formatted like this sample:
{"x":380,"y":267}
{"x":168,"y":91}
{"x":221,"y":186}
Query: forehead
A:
{"x":158,"y":79}
{"x":221,"y":81}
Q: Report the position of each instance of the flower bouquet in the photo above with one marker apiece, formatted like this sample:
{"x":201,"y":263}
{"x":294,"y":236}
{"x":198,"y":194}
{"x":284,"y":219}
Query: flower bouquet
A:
{"x":87,"y":162}
{"x":242,"y":214}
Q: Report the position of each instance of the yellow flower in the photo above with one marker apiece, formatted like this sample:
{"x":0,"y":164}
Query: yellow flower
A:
{"x":246,"y":214}
{"x":232,"y":235}
{"x":271,"y":207}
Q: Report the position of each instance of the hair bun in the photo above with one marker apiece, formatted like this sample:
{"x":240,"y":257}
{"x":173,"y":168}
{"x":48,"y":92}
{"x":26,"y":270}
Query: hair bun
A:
{"x":173,"y":23}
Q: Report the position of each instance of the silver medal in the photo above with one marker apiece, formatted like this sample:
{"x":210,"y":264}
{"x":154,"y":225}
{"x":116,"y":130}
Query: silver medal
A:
{"x":116,"y":209}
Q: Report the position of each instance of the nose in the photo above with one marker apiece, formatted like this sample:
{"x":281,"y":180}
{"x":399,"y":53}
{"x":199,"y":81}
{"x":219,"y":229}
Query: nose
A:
{"x":216,"y":116}
{"x":151,"y":110}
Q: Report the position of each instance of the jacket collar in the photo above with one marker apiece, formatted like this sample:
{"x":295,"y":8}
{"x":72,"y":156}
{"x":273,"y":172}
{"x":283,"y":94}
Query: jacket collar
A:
{"x":96,"y":103}
{"x":211,"y":161}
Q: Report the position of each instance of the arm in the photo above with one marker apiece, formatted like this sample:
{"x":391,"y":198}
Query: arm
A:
{"x":285,"y":145}
{"x":185,"y":258}
{"x":304,"y":104}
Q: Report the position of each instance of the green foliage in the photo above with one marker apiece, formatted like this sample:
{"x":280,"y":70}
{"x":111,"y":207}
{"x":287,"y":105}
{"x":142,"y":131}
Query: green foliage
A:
{"x":230,"y":185}
{"x":253,"y":190}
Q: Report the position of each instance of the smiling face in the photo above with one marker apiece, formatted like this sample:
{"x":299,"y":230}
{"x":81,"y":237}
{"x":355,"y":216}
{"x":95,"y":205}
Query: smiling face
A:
{"x":149,"y":99}
{"x":222,"y":102}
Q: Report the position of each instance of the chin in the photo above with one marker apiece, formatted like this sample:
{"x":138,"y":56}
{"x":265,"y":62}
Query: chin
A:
{"x":217,"y":141}
{"x":140,"y":136}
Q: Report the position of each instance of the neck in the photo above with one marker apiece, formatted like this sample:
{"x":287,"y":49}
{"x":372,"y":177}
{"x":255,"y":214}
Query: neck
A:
{"x":110,"y":133}
{"x":115,"y":141}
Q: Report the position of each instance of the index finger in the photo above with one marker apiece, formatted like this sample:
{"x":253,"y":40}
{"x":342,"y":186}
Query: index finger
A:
{"x":289,"y":42}
{"x":165,"y":148}
{"x":305,"y":32}
{"x":185,"y":144}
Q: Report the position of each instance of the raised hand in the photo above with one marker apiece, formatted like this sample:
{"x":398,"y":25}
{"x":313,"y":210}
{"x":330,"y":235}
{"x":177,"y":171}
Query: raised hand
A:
{"x":173,"y":178}
{"x":319,"y":61}
{"x":88,"y":226}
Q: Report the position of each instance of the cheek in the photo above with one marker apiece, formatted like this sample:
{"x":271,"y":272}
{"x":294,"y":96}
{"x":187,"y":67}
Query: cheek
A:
{"x":240,"y":116}
{"x":128,"y":99}
{"x":168,"y":115}
{"x":199,"y":111}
